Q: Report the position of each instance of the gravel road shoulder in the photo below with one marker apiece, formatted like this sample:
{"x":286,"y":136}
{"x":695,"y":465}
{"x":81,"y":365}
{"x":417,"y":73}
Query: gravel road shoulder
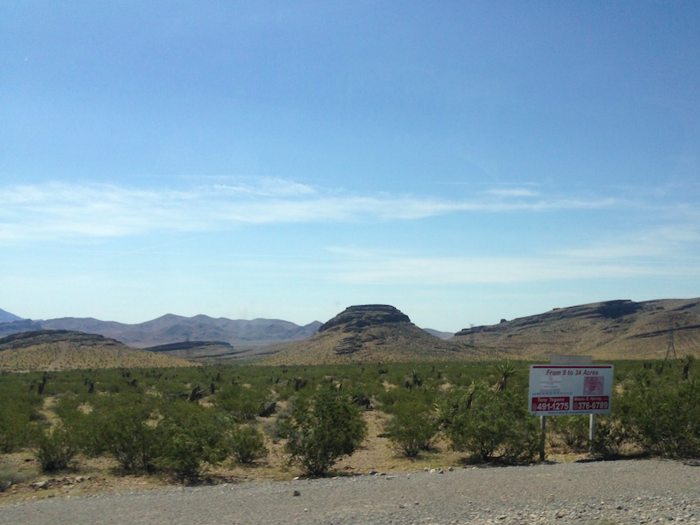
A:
{"x":639,"y":491}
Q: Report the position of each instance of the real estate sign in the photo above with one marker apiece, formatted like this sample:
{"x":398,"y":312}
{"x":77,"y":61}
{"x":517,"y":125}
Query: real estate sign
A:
{"x":557,"y":390}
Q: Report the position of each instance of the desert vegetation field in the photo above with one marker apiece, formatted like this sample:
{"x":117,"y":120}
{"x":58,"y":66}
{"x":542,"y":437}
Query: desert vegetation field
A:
{"x":263,"y":422}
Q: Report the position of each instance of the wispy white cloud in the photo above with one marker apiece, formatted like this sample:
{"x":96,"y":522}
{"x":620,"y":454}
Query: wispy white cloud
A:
{"x":55,"y":210}
{"x":512,"y":192}
{"x":657,"y":243}
{"x":362,"y":266}
{"x":264,"y":187}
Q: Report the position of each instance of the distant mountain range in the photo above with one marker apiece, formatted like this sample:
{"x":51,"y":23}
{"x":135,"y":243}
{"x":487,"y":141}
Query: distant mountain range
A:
{"x":170,"y":329}
{"x":619,"y":329}
{"x":7,"y":317}
{"x":438,"y":333}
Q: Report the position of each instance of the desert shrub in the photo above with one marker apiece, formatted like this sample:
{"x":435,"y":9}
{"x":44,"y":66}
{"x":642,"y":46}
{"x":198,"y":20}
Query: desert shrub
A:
{"x":572,"y":430}
{"x":450,"y":404}
{"x":241,"y":403}
{"x":87,"y":428}
{"x":247,"y":444}
{"x":14,"y":429}
{"x":55,"y":448}
{"x":388,"y":398}
{"x":130,"y":435}
{"x":662,"y":415}
{"x":281,"y":427}
{"x":192,"y":437}
{"x":90,"y":432}
{"x":323,"y":429}
{"x":9,"y":477}
{"x":17,"y":412}
{"x":412,"y":428}
{"x":611,"y":436}
{"x":496,"y":425}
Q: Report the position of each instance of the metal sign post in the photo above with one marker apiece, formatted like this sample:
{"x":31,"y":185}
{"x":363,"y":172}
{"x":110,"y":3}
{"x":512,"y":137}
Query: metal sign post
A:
{"x":543,"y":436}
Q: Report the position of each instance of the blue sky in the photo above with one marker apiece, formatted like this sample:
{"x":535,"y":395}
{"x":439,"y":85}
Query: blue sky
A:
{"x":462,"y":161}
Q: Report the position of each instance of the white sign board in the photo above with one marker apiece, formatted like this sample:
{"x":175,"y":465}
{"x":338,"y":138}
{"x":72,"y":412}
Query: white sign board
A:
{"x":557,"y":390}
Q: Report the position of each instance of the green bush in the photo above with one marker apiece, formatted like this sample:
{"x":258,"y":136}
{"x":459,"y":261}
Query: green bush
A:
{"x":611,"y":436}
{"x":662,"y":416}
{"x":130,"y":435}
{"x":14,"y":429}
{"x":90,"y":432}
{"x":55,"y":448}
{"x":496,"y":425}
{"x":240,"y":402}
{"x":247,"y":444}
{"x":9,"y":477}
{"x":324,"y":429}
{"x":191,"y":438}
{"x":88,"y":429}
{"x":412,"y":428}
{"x":573,"y":430}
{"x":17,"y":412}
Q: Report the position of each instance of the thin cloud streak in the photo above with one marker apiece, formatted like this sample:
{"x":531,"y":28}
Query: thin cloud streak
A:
{"x":514,"y":192}
{"x":55,"y":210}
{"x":366,"y":267}
{"x":264,"y":187}
{"x":658,"y":243}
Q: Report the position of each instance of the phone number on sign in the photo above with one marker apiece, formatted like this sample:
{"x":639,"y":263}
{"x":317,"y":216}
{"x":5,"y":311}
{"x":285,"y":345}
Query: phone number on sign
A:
{"x":550,"y":404}
{"x":591,"y":403}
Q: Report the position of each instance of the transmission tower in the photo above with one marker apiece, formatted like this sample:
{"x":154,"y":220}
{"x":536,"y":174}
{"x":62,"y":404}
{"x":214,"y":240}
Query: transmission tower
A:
{"x":671,"y":345}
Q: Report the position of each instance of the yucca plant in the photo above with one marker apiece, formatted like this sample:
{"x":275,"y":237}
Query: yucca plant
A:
{"x":505,"y":371}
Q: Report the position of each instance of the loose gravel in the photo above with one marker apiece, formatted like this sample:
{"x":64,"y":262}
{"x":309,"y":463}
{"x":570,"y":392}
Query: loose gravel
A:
{"x":633,"y":491}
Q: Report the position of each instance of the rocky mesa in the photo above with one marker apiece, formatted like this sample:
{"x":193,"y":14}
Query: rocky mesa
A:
{"x":371,"y":333}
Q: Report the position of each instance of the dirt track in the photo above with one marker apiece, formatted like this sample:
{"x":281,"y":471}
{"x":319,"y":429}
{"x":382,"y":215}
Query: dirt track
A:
{"x":619,"y":492}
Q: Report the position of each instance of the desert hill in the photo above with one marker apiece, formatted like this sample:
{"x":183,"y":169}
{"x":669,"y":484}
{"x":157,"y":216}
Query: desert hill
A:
{"x":69,"y":350}
{"x":371,"y":333}
{"x":7,"y":317}
{"x":620,"y":329}
{"x":439,"y":333}
{"x":170,"y":329}
{"x":198,"y":350}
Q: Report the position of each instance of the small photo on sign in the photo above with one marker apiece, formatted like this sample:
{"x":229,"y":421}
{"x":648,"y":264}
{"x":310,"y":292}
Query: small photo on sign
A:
{"x":593,"y":386}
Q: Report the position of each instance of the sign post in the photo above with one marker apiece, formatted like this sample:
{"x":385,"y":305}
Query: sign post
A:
{"x":543,"y":435}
